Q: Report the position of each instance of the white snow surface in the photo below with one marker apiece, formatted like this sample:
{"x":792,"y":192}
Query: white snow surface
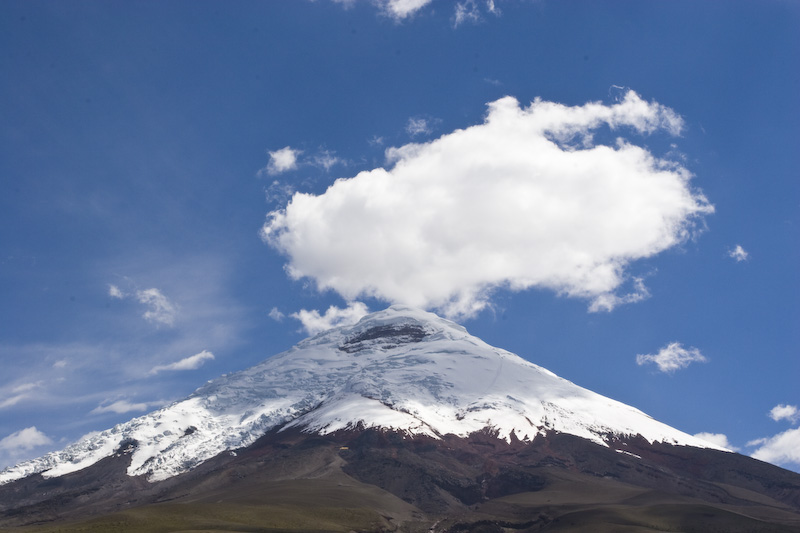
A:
{"x":400,"y":369}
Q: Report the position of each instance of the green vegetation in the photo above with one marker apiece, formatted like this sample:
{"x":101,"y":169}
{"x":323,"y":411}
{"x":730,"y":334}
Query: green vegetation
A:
{"x":223,"y":517}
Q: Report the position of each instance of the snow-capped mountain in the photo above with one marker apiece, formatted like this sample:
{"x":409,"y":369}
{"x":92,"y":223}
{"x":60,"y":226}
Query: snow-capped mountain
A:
{"x":400,"y":369}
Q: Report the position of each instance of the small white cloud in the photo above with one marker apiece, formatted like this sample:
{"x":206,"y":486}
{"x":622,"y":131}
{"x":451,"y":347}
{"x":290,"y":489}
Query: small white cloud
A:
{"x":417,"y":126}
{"x":672,"y":357}
{"x":60,"y":364}
{"x":524,"y":200}
{"x":281,"y":161}
{"x":314,"y":322}
{"x":739,"y":254}
{"x":189,"y":363}
{"x":375,"y":141}
{"x":161,"y":309}
{"x":23,"y":440}
{"x":720,"y":439}
{"x":785,"y":412}
{"x":781,"y":449}
{"x":276,"y":315}
{"x":120,"y":407}
{"x":115,"y":292}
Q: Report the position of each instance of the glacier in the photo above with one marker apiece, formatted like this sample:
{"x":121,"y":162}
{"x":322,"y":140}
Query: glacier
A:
{"x":400,"y":369}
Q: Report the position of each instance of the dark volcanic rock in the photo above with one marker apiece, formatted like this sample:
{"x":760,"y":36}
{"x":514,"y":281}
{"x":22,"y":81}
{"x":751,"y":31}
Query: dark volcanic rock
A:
{"x":387,"y":337}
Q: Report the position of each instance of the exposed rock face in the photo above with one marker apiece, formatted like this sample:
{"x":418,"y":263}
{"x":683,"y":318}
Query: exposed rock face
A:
{"x":386,"y":337}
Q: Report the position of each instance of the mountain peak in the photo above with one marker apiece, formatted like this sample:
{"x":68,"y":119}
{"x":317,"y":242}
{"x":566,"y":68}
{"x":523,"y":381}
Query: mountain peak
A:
{"x":395,"y":326}
{"x":400,"y":369}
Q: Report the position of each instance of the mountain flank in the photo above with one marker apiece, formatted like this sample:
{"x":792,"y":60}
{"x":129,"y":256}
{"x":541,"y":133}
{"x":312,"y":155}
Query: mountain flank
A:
{"x":402,"y":422}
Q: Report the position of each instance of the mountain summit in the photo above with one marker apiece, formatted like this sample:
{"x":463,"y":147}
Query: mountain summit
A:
{"x":400,"y":369}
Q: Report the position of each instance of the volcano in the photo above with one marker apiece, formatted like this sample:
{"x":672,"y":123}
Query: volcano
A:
{"x":401,"y":422}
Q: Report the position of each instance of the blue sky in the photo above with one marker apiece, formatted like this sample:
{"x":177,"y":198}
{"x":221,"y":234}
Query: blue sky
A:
{"x":634,"y":230}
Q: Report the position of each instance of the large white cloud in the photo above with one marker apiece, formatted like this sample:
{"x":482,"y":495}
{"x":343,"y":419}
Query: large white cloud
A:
{"x":525,"y":199}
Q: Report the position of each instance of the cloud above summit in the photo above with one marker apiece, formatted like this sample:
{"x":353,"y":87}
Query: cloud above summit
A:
{"x":526,"y":199}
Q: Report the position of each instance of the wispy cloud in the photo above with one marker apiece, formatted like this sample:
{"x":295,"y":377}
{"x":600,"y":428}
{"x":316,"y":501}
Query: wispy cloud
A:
{"x":417,"y":126}
{"x":162,"y":310}
{"x":400,"y":10}
{"x":115,"y":292}
{"x":526,"y":199}
{"x":327,"y":159}
{"x":188,"y":363}
{"x":17,"y":393}
{"x":313,"y":322}
{"x":672,"y":357}
{"x":738,"y":253}
{"x":278,"y":192}
{"x":466,"y":11}
{"x":276,"y":315}
{"x":122,"y":407}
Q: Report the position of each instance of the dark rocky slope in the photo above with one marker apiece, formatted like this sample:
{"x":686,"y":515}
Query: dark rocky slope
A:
{"x":373,"y":480}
